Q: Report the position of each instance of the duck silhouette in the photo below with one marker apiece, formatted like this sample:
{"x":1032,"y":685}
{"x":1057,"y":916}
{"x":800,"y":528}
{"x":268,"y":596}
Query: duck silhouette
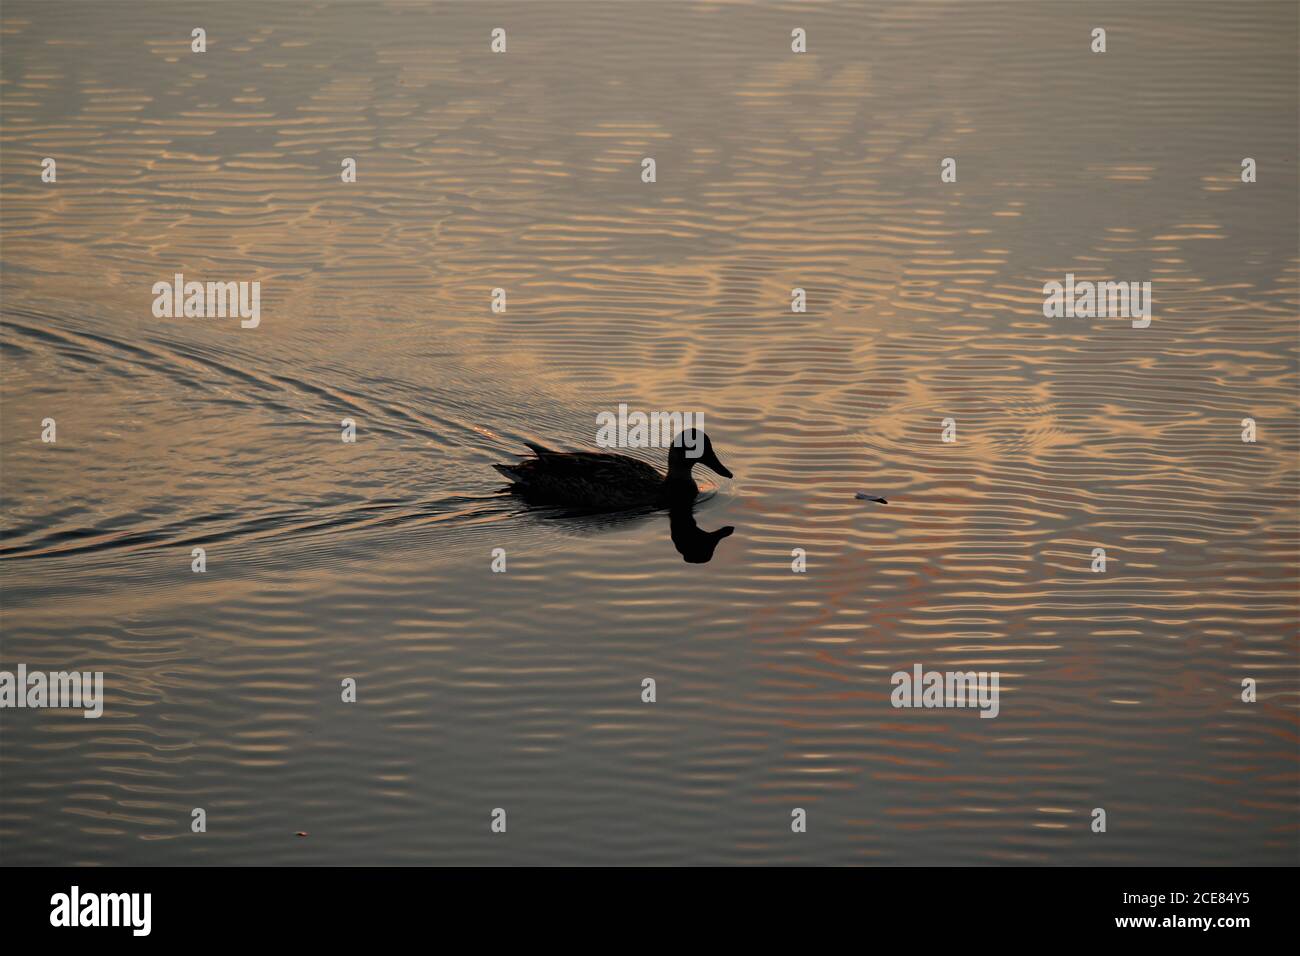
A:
{"x":602,"y":481}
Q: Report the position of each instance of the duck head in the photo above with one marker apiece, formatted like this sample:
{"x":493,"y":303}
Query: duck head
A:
{"x":692,"y":447}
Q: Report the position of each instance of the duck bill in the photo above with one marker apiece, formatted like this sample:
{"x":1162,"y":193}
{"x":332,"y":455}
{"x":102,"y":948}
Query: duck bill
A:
{"x":711,"y":462}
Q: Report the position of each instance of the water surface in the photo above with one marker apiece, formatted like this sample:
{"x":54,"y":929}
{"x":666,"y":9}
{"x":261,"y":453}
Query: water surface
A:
{"x":522,"y":690}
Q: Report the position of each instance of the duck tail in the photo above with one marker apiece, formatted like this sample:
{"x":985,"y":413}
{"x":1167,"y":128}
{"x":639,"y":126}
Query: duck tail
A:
{"x":509,"y":471}
{"x":540,"y":450}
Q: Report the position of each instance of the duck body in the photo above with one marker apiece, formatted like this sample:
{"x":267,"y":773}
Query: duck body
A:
{"x":599,"y":481}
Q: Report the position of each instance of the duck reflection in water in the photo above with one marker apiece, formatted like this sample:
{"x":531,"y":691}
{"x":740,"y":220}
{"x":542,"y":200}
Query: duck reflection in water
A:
{"x":692,"y":542}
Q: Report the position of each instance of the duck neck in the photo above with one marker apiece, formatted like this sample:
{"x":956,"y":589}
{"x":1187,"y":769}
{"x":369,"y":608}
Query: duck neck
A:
{"x":679,"y":481}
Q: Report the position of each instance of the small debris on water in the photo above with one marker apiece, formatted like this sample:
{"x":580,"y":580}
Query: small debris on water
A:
{"x":866,"y":497}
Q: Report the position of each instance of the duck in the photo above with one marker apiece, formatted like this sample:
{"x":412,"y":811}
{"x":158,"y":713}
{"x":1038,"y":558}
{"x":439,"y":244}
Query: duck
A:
{"x":603,"y":481}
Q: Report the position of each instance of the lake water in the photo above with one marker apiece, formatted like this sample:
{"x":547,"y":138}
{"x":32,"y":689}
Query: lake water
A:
{"x":476,"y":690}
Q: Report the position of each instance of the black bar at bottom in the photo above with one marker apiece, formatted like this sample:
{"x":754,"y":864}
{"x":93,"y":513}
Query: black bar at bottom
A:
{"x":910,"y":905}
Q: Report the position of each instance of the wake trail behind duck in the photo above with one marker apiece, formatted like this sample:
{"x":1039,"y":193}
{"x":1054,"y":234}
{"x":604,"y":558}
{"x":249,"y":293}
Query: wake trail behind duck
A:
{"x":418,"y":445}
